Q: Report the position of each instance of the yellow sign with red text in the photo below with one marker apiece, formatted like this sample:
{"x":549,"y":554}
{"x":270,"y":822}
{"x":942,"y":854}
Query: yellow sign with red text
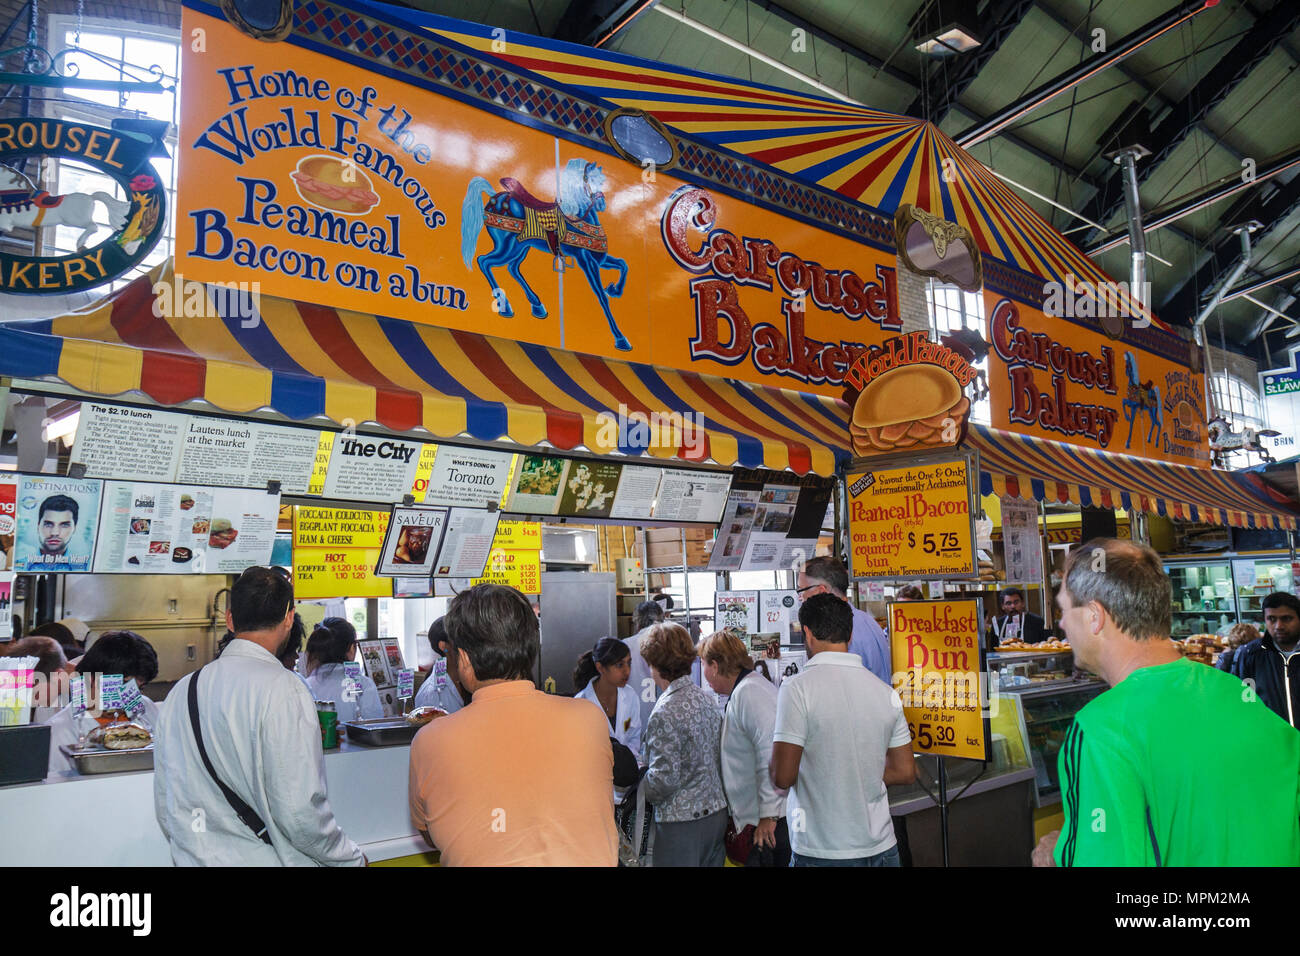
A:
{"x":335,"y":552}
{"x":935,"y":651}
{"x":912,"y":521}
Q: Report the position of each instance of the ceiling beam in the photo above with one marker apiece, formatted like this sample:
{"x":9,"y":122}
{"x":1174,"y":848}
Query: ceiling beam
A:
{"x":1227,"y":186}
{"x":1209,"y":92}
{"x":593,"y":22}
{"x":1090,"y":67}
{"x":950,"y":76}
{"x":843,"y":46}
{"x":1183,"y":301}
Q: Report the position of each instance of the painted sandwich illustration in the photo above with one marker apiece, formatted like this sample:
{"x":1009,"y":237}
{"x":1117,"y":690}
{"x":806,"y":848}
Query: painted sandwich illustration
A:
{"x":911,"y":406}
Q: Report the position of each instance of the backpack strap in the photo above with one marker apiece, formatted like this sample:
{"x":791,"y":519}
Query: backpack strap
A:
{"x":247,"y":815}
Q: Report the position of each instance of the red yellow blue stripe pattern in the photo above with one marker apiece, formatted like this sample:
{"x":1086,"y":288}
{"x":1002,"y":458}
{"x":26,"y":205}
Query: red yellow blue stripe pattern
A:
{"x":1026,"y":467}
{"x":303,"y":361}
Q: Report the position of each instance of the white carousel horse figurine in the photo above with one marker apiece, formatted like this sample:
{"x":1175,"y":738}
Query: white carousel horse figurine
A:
{"x":23,"y":206}
{"x":1224,"y":441}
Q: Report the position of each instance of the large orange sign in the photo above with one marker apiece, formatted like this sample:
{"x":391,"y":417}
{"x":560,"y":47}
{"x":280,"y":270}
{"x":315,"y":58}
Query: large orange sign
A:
{"x":1063,"y":381}
{"x":326,"y":183}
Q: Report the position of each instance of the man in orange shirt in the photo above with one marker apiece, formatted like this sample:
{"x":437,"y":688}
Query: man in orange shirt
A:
{"x":517,"y":777}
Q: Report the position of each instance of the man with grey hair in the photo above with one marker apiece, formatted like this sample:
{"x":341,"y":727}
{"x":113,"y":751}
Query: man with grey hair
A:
{"x":1139,"y":786}
{"x":827,"y":575}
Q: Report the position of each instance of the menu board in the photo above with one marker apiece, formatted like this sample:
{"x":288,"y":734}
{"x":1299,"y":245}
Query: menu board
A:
{"x":737,"y":610}
{"x":589,"y":488}
{"x":935,"y":651}
{"x":145,"y":444}
{"x":691,"y":495}
{"x":369,"y":468}
{"x":56,"y":524}
{"x":152,"y":528}
{"x":538,"y":485}
{"x":335,"y":552}
{"x":413,"y":541}
{"x":638,"y":487}
{"x":468,"y":477}
{"x":912,"y":521}
{"x":467,"y":543}
{"x":8,"y":519}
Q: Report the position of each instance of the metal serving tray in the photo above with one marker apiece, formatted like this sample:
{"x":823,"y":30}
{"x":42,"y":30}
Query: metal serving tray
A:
{"x":94,"y":760}
{"x":381,"y":731}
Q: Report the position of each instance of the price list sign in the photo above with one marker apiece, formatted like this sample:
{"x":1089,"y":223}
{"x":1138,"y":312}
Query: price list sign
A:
{"x":913,"y":521}
{"x":935,"y":650}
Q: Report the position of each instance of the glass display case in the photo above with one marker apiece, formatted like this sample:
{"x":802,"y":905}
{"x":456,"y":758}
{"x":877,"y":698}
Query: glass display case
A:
{"x":1047,"y":691}
{"x":1255,"y":579}
{"x":1205,"y":597}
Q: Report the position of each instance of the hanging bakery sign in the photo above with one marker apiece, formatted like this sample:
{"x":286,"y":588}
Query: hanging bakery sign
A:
{"x":930,"y":245}
{"x":101,"y":253}
{"x":910,"y":394}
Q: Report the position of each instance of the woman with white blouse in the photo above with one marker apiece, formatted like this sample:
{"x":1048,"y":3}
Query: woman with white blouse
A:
{"x":747,"y":727}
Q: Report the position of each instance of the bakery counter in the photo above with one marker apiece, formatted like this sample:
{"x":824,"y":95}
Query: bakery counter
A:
{"x":108,"y":819}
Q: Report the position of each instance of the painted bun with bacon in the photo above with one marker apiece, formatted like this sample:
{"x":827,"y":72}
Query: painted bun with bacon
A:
{"x":908,"y":407}
{"x":328,"y":182}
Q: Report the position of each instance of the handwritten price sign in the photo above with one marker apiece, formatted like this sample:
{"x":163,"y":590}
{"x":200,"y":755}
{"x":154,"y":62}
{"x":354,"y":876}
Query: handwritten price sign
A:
{"x":912,"y":522}
{"x":935,"y":648}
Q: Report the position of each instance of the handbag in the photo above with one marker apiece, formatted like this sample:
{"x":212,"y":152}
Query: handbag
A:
{"x":634,"y":819}
{"x":740,"y":844}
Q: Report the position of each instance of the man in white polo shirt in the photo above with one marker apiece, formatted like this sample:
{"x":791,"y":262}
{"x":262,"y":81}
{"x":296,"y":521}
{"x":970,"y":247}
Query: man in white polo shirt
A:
{"x":840,"y":738}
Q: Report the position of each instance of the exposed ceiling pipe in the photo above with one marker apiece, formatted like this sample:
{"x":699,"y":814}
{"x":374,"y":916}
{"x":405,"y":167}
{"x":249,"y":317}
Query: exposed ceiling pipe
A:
{"x":1088,"y":68}
{"x":1263,"y":283}
{"x":1231,"y":185}
{"x":1136,"y":237}
{"x":1244,"y":232}
{"x":735,"y":44}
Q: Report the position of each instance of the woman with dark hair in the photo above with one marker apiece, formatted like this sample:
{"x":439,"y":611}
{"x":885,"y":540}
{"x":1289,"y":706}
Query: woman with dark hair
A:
{"x":116,"y":652}
{"x":601,"y":677}
{"x":333,"y":641}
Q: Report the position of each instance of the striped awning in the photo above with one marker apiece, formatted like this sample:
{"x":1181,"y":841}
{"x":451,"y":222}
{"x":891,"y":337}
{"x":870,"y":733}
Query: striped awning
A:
{"x":302,"y":361}
{"x":1026,"y":467}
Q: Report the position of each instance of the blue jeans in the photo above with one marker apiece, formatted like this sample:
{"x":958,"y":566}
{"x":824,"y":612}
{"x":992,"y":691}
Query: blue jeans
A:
{"x":887,"y":858}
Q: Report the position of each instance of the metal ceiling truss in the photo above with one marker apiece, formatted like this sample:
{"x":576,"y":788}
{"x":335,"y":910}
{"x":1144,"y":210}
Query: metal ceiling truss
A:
{"x":1209,"y":92}
{"x":1182,"y":303}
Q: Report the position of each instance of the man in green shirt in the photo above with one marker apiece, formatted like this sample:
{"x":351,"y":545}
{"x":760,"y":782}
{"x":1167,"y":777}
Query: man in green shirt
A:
{"x":1178,"y":764}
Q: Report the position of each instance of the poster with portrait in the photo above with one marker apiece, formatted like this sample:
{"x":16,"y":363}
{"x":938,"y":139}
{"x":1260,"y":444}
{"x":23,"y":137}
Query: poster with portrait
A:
{"x":413,"y":541}
{"x":57,"y":521}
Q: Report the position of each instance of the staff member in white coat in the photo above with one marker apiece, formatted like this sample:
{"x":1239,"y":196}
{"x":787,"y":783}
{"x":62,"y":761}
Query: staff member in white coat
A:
{"x":333,"y":641}
{"x":601,"y":676}
{"x":258,"y":728}
{"x":747,"y":727}
{"x":117,"y":652}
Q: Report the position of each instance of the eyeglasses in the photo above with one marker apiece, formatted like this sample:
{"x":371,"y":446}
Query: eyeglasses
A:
{"x":807,"y":587}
